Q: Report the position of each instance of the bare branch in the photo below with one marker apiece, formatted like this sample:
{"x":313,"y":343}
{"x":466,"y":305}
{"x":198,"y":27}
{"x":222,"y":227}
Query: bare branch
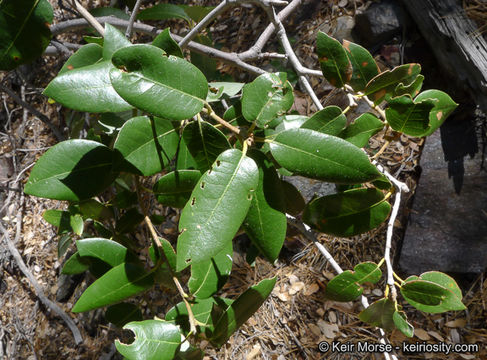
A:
{"x":133,"y":16}
{"x":90,"y":18}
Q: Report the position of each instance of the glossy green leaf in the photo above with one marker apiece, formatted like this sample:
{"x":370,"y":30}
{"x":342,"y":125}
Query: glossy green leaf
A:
{"x":443,"y":107}
{"x":227,"y":88}
{"x":266,"y":223}
{"x":319,"y":156}
{"x":362,"y":129}
{"x":330,"y":120}
{"x":348,"y":213}
{"x":364,"y":67}
{"x":169,"y":87}
{"x":88,"y":54}
{"x":95,"y":210}
{"x":109,"y":11}
{"x":268,"y":96}
{"x":64,"y":242}
{"x":154,"y":340}
{"x":117,"y":284}
{"x":24,"y":31}
{"x":77,"y":224}
{"x":217,"y":208}
{"x":412,"y":89}
{"x":204,"y":142}
{"x":169,"y":254}
{"x":72,"y":170}
{"x":129,"y":221}
{"x":409,"y":117}
{"x":209,"y":276}
{"x":402,"y":324}
{"x":382,"y":183}
{"x":443,"y":280}
{"x":106,"y":250}
{"x":146,"y":145}
{"x":184,"y":158}
{"x":87,"y":89}
{"x":346,"y":286}
{"x":430,"y":297}
{"x":334,"y":62}
{"x":165,"y":42}
{"x":379,"y":314}
{"x":59,"y":219}
{"x":76,"y":265}
{"x":112,"y":41}
{"x":294,"y":200}
{"x":241,"y":310}
{"x":387,"y":81}
{"x":196,"y":12}
{"x":202,"y":61}
{"x":174,"y":189}
{"x":123,"y":313}
{"x":163,"y":12}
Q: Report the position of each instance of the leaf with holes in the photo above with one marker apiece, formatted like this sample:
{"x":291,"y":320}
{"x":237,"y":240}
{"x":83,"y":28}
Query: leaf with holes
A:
{"x":334,"y":62}
{"x":330,"y":120}
{"x":209,"y":276}
{"x":154,"y":340}
{"x":362,"y":129}
{"x":165,"y":42}
{"x":174,"y":189}
{"x":267,"y":97}
{"x":72,"y":170}
{"x":379,"y":314}
{"x":117,"y":284}
{"x":205,"y":142}
{"x":166,"y":86}
{"x":408,"y":116}
{"x":217,"y":208}
{"x":24,"y":31}
{"x":346,"y":286}
{"x":241,"y":310}
{"x":88,"y":54}
{"x":266,"y":223}
{"x":363,"y":65}
{"x":146,"y":145}
{"x":443,"y":107}
{"x":227,"y":88}
{"x":324,"y":157}
{"x":348,"y":213}
{"x":386,"y":82}
{"x":412,"y":89}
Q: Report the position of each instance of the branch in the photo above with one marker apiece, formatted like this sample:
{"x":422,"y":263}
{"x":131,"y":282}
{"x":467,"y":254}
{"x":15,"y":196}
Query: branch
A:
{"x":208,"y":110}
{"x":90,"y":18}
{"x":133,"y":16}
{"x":59,"y":136}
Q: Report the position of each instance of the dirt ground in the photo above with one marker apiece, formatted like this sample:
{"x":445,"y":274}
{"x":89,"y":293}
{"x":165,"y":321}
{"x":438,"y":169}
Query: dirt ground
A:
{"x":295,"y":318}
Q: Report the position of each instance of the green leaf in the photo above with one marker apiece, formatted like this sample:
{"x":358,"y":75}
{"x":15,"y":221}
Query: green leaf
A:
{"x":174,"y":189}
{"x":92,"y":209}
{"x":87,"y":89}
{"x":218,"y":206}
{"x":209,"y":276}
{"x":168,"y":87}
{"x":266,"y":223}
{"x":430,"y":297}
{"x":319,"y":156}
{"x":88,"y":54}
{"x":334,"y":62}
{"x":346,"y":286}
{"x":165,"y":42}
{"x":409,"y":117}
{"x":72,"y":170}
{"x":106,"y":250}
{"x":348,"y":213}
{"x":113,"y":41}
{"x":169,"y":253}
{"x":146,"y":145}
{"x":197,"y":13}
{"x":228,"y":88}
{"x":154,"y":340}
{"x":241,"y":310}
{"x":268,"y":96}
{"x":204,"y":142}
{"x":163,"y":12}
{"x":117,"y":284}
{"x":109,"y":11}
{"x":24,"y":31}
{"x":363,"y":65}
{"x":123,"y":313}
{"x":443,"y":280}
{"x":184,"y":158}
{"x":294,"y":200}
{"x":401,"y":321}
{"x":412,"y":89}
{"x":387,"y":81}
{"x":128,"y":222}
{"x":379,"y":314}
{"x":59,"y":219}
{"x":330,"y":120}
{"x":77,"y":224}
{"x":205,"y":63}
{"x":443,"y":107}
{"x":76,"y":265}
{"x":362,"y":129}
{"x":65,"y":241}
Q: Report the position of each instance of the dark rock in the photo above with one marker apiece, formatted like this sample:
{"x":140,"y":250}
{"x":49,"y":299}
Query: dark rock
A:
{"x":446,"y":231}
{"x":379,"y":23}
{"x":310,"y":188}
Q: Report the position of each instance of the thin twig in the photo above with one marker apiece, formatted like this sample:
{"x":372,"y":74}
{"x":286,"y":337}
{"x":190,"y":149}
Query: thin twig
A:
{"x":133,"y":16}
{"x":59,"y":136}
{"x":90,"y":18}
{"x":208,"y":110}
{"x":38,"y":289}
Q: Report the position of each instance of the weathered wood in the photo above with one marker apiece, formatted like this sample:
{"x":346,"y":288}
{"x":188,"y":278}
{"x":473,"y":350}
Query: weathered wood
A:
{"x":459,"y":49}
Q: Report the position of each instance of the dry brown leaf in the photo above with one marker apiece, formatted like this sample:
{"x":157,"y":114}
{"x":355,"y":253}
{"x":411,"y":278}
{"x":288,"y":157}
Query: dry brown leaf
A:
{"x":296,"y":287}
{"x":254,"y":352}
{"x":458,"y":323}
{"x":329,"y":330}
{"x":421,"y":334}
{"x":315,"y":329}
{"x":283,"y":296}
{"x":466,"y":356}
{"x":435,"y":335}
{"x":314,"y":287}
